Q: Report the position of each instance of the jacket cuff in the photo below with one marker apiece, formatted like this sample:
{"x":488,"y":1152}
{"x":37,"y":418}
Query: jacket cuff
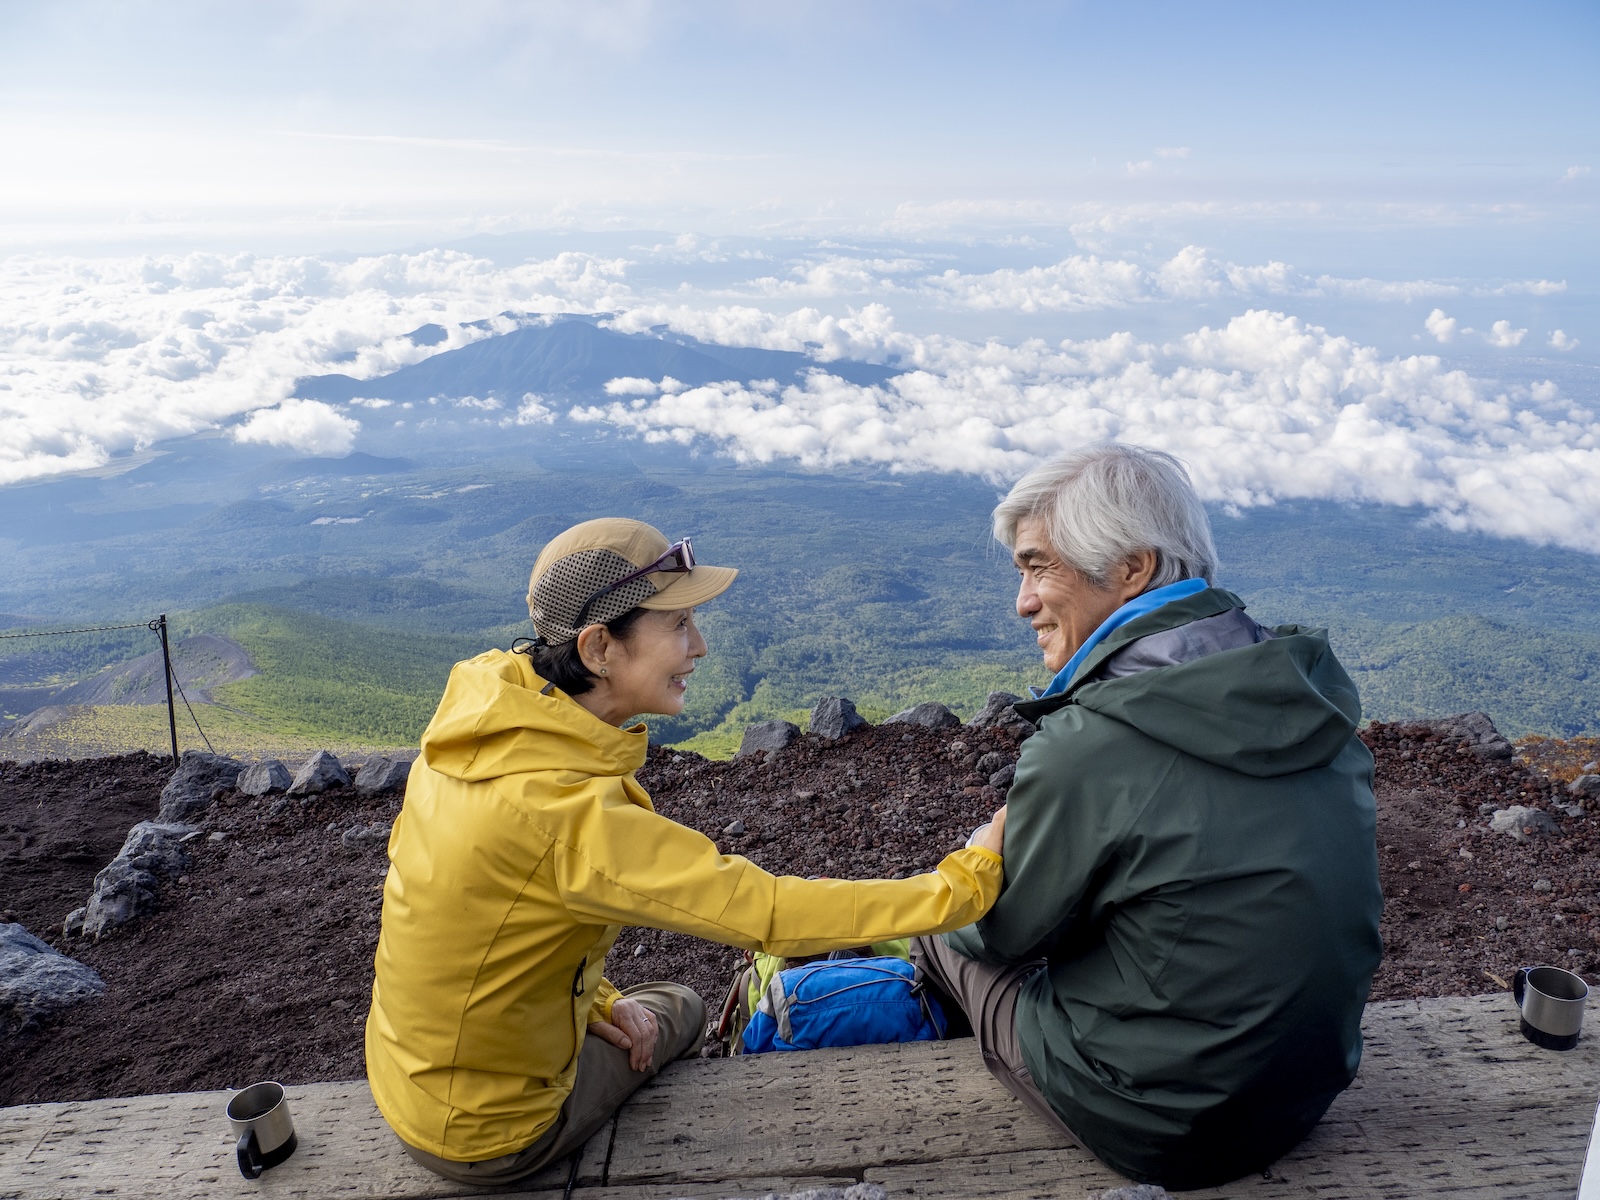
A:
{"x":604,"y":997}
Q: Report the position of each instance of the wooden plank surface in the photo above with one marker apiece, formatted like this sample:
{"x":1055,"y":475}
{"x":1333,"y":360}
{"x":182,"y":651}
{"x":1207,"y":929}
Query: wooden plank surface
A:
{"x":828,"y":1112}
{"x":179,"y":1146}
{"x":1450,"y":1101}
{"x":1439,"y":1076}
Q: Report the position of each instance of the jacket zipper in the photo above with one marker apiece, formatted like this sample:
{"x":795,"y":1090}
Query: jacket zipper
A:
{"x":577,"y":993}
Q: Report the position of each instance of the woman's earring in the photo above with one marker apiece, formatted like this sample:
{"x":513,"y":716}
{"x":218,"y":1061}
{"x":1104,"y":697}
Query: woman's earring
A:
{"x":602,"y":670}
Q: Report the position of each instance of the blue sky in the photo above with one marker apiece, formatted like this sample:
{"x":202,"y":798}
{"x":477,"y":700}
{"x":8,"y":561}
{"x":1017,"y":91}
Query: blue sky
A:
{"x":352,"y":123}
{"x":1337,"y":251}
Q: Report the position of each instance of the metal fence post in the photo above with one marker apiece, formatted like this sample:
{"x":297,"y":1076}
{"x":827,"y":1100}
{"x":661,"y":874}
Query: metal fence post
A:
{"x":160,"y":625}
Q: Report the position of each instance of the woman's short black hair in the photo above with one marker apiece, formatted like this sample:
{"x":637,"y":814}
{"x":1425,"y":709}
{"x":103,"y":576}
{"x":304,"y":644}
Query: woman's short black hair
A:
{"x":563,"y":666}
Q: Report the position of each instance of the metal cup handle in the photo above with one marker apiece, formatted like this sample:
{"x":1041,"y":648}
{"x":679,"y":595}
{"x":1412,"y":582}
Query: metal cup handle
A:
{"x":250,"y":1164}
{"x":1519,"y":983}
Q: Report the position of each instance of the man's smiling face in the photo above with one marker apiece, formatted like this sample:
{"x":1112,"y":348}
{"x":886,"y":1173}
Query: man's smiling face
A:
{"x":1063,"y":607}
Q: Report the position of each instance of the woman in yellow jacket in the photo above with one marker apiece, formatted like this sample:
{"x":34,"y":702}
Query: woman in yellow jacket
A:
{"x":494,"y":1045}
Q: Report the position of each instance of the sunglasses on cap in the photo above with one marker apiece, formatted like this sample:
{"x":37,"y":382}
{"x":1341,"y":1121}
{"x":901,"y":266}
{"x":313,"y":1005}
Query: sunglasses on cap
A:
{"x":678,"y":560}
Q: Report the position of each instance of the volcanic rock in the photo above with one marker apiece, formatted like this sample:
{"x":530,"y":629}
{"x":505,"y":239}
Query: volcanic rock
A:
{"x":1476,"y":730}
{"x":366,"y":835}
{"x":126,"y":887}
{"x":999,"y":709}
{"x":929,"y":714}
{"x":1522,"y":822}
{"x":834,"y":716}
{"x":381,"y":774}
{"x":768,"y":736}
{"x":188,"y":793}
{"x":321,"y":772}
{"x":261,"y":778}
{"x":1585,"y":785}
{"x":1002,"y":779}
{"x":36,"y":980}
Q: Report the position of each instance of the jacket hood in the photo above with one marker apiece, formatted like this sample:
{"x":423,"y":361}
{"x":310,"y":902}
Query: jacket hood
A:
{"x":1269,"y":709}
{"x":495,"y":719}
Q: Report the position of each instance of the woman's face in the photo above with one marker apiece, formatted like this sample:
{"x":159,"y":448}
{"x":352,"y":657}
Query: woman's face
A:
{"x":648,"y":672}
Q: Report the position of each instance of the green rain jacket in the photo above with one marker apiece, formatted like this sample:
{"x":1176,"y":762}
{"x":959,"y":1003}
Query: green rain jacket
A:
{"x":1191,"y":851}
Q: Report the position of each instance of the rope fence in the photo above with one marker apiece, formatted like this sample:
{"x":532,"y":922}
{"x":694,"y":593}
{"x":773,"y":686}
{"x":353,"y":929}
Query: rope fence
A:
{"x":91,"y":629}
{"x":158,"y":626}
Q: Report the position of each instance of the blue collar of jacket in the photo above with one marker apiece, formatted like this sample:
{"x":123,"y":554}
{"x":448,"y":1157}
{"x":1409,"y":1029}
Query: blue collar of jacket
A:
{"x":1145,"y":602}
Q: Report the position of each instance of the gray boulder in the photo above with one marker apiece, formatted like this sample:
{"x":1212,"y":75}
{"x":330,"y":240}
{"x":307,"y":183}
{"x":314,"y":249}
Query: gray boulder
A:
{"x":320,"y":772}
{"x":188,"y":793}
{"x":128,"y":885}
{"x":1585,"y":785}
{"x":768,"y":736}
{"x":382,"y":774}
{"x":1523,"y":823}
{"x":1002,"y":779}
{"x":999,"y":709}
{"x":930,"y":714}
{"x":1000,"y":712}
{"x":265,"y":777}
{"x":834,"y":716}
{"x":1476,"y":730}
{"x":36,"y":980}
{"x":361,"y":836}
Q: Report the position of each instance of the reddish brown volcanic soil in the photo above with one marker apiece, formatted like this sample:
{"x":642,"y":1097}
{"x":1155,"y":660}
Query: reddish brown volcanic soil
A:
{"x":258,"y":963}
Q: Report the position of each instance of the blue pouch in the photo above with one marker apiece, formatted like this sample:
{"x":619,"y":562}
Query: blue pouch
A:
{"x":852,"y":1002}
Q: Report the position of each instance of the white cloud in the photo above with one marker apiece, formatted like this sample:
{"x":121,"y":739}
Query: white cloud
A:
{"x":1576,"y":173}
{"x":1502,"y":335}
{"x":1142,"y":167}
{"x":1088,"y":281}
{"x":1263,"y":408}
{"x":631,"y":385}
{"x":1442,"y":327}
{"x":100,"y":356}
{"x":1172,"y":151}
{"x":532,"y":411}
{"x":104,"y":355}
{"x":1560,"y":341}
{"x":309,"y":426}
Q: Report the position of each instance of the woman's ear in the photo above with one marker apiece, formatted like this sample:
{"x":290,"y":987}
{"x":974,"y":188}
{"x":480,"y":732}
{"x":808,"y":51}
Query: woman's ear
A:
{"x":594,"y":649}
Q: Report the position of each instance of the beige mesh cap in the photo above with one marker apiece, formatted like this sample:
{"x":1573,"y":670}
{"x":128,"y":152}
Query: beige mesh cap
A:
{"x":592,"y":556}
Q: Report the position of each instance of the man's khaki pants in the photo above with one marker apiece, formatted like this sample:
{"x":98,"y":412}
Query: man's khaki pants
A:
{"x":604,"y":1080}
{"x":988,"y":995}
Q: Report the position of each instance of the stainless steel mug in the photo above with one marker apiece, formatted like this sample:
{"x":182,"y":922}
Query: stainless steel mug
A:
{"x":259,"y":1116}
{"x":1551,"y":1001}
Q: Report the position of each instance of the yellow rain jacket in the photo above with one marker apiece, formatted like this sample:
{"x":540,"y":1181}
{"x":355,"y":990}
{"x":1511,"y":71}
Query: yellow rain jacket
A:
{"x":524,"y":845}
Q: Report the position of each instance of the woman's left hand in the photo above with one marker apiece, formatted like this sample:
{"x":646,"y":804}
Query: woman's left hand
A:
{"x":632,"y":1028}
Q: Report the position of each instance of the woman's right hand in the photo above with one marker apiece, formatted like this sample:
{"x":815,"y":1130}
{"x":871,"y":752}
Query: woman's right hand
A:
{"x":992,"y":836}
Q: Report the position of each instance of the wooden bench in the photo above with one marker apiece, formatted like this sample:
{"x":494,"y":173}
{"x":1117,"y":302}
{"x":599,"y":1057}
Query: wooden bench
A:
{"x":1450,"y":1101}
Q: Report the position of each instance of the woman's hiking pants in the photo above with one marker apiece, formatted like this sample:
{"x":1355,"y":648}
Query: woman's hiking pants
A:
{"x":988,"y":995}
{"x":603,"y":1081}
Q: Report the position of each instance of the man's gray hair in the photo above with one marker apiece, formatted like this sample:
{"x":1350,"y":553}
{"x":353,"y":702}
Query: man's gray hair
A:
{"x":1107,"y":501}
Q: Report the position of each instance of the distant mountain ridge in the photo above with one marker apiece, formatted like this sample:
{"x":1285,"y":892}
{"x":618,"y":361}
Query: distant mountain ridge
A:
{"x":576,"y":358}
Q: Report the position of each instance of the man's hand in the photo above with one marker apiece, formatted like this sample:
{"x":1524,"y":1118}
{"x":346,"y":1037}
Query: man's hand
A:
{"x":632,"y":1028}
{"x":992,"y":836}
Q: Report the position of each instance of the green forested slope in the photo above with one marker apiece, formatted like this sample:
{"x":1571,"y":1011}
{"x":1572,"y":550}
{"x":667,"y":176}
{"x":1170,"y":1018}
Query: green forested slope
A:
{"x":887,"y":590}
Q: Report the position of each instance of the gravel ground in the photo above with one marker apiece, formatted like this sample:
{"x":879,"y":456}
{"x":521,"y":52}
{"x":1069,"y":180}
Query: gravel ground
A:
{"x":258,"y":963}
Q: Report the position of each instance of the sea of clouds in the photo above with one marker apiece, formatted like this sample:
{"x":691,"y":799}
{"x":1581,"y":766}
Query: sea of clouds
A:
{"x":101,"y":356}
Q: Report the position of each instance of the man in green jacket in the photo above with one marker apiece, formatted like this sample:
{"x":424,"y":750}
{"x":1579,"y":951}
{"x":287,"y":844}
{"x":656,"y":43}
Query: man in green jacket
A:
{"x":1175,"y":971}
